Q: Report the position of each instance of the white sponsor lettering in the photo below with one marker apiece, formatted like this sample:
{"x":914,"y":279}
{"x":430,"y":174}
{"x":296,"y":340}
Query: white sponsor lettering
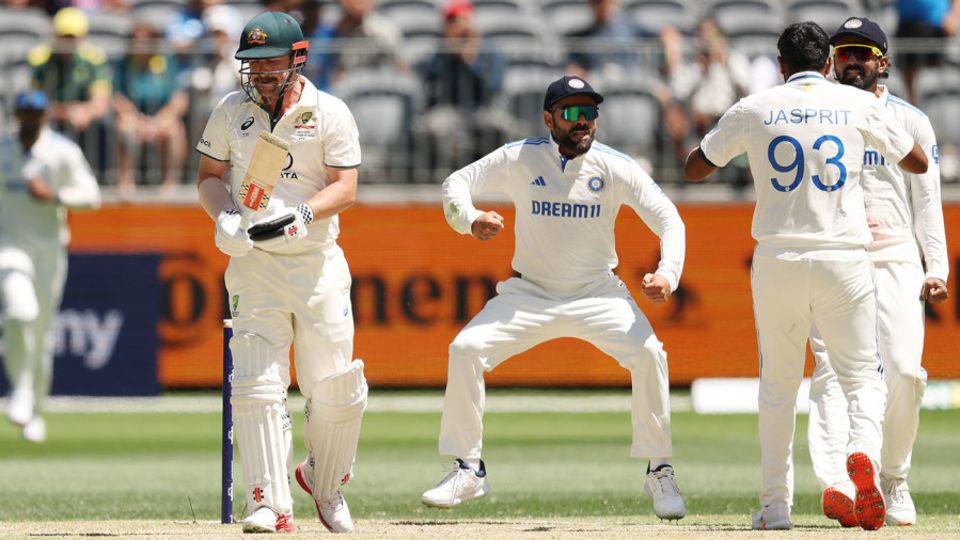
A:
{"x":85,"y":334}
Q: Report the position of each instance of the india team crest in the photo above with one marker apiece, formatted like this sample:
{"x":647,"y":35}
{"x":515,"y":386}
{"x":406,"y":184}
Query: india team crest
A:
{"x":257,"y":37}
{"x":595,"y":184}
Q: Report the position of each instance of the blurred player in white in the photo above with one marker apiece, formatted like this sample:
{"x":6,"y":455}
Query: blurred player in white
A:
{"x":42,"y":174}
{"x":906,"y":220}
{"x":805,"y":143}
{"x":567,"y":190}
{"x":292,"y":286}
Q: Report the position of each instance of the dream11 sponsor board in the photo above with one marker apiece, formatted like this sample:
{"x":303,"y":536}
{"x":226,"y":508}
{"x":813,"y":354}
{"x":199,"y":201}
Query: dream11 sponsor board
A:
{"x":105,"y":334}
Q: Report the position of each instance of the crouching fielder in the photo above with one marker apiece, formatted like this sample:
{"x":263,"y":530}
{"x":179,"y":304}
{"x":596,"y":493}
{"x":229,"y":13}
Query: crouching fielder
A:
{"x":567,"y":191}
{"x":288,"y":280}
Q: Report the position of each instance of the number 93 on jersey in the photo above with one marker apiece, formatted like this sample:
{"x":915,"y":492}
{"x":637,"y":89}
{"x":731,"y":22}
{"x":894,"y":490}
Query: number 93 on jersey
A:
{"x":830,"y":177}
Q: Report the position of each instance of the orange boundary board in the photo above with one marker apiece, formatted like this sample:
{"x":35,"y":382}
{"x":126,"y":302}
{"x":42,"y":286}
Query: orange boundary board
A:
{"x":416,"y":282}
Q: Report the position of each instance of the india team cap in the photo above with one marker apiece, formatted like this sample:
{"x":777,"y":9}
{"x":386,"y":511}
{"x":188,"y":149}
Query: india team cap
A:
{"x":568,"y":86}
{"x":862,"y":27}
{"x":269,"y":35}
{"x":31,"y":100}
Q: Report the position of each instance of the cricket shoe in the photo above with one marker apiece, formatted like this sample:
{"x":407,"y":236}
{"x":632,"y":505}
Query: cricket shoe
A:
{"x":461,"y":484}
{"x":838,"y":504}
{"x":899,"y":503}
{"x":35,"y":430}
{"x":661,"y":485}
{"x":265,"y":520}
{"x":868,"y":505}
{"x":20,"y":410}
{"x":773,"y":517}
{"x":333,"y":512}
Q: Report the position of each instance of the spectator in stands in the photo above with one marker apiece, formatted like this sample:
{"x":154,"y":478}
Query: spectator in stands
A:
{"x":150,"y":105}
{"x":362,"y":38}
{"x":706,"y":88}
{"x":90,"y":6}
{"x":73,"y":73}
{"x":462,"y":84}
{"x":224,"y":24}
{"x":17,"y":4}
{"x":935,"y":19}
{"x":186,"y":27}
{"x":607,"y":46}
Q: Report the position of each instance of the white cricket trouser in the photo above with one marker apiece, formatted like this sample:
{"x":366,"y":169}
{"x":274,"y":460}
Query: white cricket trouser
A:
{"x":834,"y":289}
{"x":523,"y":315}
{"x":276,"y":301}
{"x":31,"y":286}
{"x":900,"y":317}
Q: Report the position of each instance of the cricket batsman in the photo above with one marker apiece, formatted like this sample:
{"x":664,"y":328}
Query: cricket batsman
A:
{"x":42,"y":174}
{"x":567,"y":190}
{"x":909,"y":254}
{"x":279,"y":163}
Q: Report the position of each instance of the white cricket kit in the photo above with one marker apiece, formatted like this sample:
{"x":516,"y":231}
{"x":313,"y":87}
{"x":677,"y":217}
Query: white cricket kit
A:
{"x":905,"y":213}
{"x":805,"y":143}
{"x":565,"y":215}
{"x":322,"y":133}
{"x":297,"y":294}
{"x":33,"y":256}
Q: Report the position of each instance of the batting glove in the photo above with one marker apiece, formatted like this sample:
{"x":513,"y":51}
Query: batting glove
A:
{"x":289,"y":226}
{"x":230,"y":236}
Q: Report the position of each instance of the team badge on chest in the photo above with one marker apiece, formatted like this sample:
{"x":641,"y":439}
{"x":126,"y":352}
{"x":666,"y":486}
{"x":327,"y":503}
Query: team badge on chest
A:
{"x":305,"y":127}
{"x":595,"y":184}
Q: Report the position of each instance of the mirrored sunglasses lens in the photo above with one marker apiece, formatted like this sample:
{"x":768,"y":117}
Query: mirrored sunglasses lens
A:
{"x":862,"y":54}
{"x":572,"y":114}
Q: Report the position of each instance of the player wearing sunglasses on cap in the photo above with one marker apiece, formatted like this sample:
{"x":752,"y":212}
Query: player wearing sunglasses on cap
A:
{"x":906,"y":219}
{"x":567,"y":189}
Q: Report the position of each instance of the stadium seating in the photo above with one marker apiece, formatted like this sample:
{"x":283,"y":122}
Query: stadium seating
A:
{"x":523,"y":87}
{"x":631,"y":114}
{"x":938,"y":95}
{"x":383,"y":102}
{"x":566,"y":16}
{"x":829,"y":14}
{"x":21,"y":30}
{"x":651,"y":15}
{"x":111,"y":32}
{"x":158,"y":11}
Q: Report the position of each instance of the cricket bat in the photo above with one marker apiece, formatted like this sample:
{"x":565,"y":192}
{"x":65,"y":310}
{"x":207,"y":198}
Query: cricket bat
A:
{"x":266,"y":164}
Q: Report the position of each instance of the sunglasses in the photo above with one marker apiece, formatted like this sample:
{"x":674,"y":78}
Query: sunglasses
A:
{"x":571,"y":113}
{"x":861,"y":53}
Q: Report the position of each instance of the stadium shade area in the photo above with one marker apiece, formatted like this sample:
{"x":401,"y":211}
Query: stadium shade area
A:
{"x":534,"y":37}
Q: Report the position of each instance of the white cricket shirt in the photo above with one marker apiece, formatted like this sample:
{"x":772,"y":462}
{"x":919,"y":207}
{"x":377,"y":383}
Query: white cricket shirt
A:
{"x":805,"y":143}
{"x":321,"y":132}
{"x":904,"y":210}
{"x":566,"y":209}
{"x":26,"y":223}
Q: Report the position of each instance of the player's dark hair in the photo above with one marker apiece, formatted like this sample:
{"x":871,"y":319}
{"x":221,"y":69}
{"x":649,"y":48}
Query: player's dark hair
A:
{"x":804,"y":47}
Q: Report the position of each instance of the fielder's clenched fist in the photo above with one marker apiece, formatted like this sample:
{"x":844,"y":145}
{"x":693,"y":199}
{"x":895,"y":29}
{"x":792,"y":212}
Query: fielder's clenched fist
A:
{"x":934,"y":291}
{"x":487,"y":226}
{"x":656,"y":288}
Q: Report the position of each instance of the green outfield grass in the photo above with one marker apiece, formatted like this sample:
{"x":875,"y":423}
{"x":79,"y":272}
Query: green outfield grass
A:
{"x":543,"y":465}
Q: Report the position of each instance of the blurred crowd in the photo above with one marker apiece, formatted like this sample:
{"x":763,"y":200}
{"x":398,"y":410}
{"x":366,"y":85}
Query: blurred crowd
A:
{"x":434,"y":84}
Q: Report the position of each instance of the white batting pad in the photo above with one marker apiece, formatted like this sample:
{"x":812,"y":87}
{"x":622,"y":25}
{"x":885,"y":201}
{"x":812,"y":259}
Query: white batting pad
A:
{"x":334,"y":415}
{"x":261,"y":422}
